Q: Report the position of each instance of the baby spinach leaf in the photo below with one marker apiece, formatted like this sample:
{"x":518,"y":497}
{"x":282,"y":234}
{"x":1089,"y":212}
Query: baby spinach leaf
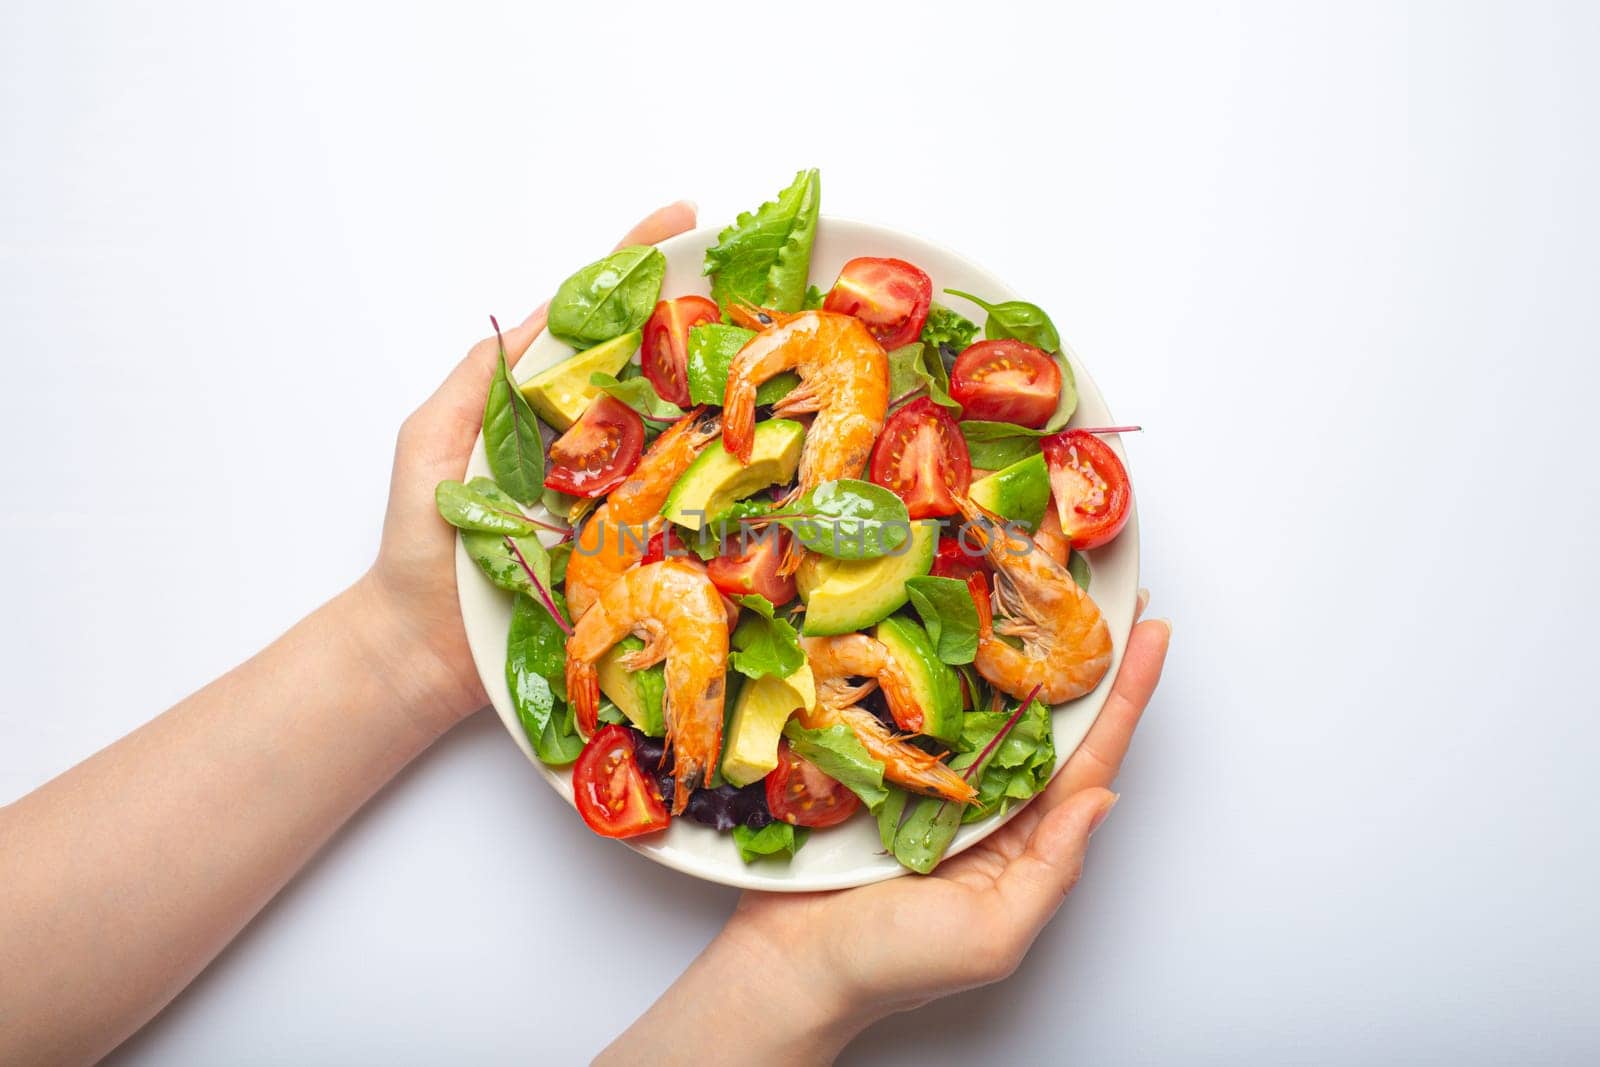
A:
{"x":764,"y":257}
{"x":1067,"y":399}
{"x":467,"y":509}
{"x":777,"y":839}
{"x":915,"y":367}
{"x":609,"y":297}
{"x":711,"y":349}
{"x":511,"y":436}
{"x":947,"y":329}
{"x":639,"y":395}
{"x":849,"y":519}
{"x":762,"y":643}
{"x":502,"y":558}
{"x":839,"y":754}
{"x":1078,"y":567}
{"x":536,"y":658}
{"x":993,"y":445}
{"x":1019,"y":319}
{"x":559,"y":555}
{"x":948,"y":614}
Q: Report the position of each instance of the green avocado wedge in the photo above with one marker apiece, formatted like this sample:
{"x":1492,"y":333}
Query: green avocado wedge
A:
{"x":715,"y":480}
{"x":1019,"y":492}
{"x":561,"y":394}
{"x":936,"y":687}
{"x":846,"y":595}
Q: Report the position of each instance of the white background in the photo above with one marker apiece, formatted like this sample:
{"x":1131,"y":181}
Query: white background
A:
{"x":1339,"y":259}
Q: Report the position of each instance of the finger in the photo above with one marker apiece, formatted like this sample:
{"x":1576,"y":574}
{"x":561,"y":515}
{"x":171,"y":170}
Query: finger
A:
{"x":1099,"y":757}
{"x":662,"y":223}
{"x":1034,"y":884}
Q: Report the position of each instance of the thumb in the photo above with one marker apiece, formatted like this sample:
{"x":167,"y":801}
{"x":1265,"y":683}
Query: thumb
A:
{"x":1034,"y":884}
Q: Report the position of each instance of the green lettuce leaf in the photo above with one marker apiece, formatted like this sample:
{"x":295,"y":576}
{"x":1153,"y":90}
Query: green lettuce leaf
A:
{"x":764,"y":257}
{"x":1020,"y":765}
{"x":948,"y":614}
{"x":778,"y":839}
{"x":764,"y":644}
{"x":947,"y":329}
{"x":814,"y":298}
{"x":841,"y":756}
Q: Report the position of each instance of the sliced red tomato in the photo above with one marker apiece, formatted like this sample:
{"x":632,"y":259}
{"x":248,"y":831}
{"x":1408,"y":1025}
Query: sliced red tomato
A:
{"x":614,"y":796}
{"x":1090,"y":487}
{"x":953,"y":560}
{"x":598,"y":452}
{"x":1006,"y":381}
{"x":889,"y":296}
{"x":662,"y":544}
{"x":756,"y":569}
{"x":664,"y":355}
{"x":923,"y":458}
{"x":799,"y":792}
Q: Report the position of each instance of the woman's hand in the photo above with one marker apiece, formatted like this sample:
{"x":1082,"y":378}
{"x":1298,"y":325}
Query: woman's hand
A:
{"x":423,"y":647}
{"x":812,"y":970}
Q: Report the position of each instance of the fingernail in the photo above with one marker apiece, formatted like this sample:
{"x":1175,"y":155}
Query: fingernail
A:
{"x":1168,"y":624}
{"x":1144,"y":600}
{"x":694,"y":208}
{"x":1100,"y":817}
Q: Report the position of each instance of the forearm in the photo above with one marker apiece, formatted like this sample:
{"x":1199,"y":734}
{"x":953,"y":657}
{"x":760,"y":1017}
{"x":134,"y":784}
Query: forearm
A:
{"x":126,"y":875}
{"x":743,"y":1000}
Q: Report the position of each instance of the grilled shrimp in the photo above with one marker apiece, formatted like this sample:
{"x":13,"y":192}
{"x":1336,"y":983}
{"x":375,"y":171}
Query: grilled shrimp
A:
{"x":615,"y":536}
{"x":834,"y":661}
{"x":1066,"y":647}
{"x":679,"y":614}
{"x":844,"y":380}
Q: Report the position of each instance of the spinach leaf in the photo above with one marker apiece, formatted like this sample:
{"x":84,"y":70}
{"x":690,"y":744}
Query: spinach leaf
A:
{"x":1020,"y":765}
{"x":764,"y":257}
{"x":947,"y":329}
{"x":609,"y":297}
{"x":1019,"y":319}
{"x":839,"y":754}
{"x":502,"y":558}
{"x":559,"y":504}
{"x":915,"y":367}
{"x":711,"y":349}
{"x":993,"y":445}
{"x":948,"y":614}
{"x":889,"y":815}
{"x":813,"y":298}
{"x":849,"y":519}
{"x":777,"y":839}
{"x":926,"y":833}
{"x":511,"y":436}
{"x":467,"y":509}
{"x":764,"y":644}
{"x":559,"y":555}
{"x":1067,"y":399}
{"x":536,"y":658}
{"x":639,"y":395}
{"x":1078,"y":567}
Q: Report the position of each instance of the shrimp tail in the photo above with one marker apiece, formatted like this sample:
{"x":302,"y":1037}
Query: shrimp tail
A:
{"x":583,"y":692}
{"x":739,"y":419}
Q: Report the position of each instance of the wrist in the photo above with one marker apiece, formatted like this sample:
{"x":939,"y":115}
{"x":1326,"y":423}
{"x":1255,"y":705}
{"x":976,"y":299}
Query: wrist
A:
{"x":418,"y":680}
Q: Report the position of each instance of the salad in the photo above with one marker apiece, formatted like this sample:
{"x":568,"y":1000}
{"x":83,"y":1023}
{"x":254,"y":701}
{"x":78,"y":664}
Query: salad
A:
{"x":796,"y":555}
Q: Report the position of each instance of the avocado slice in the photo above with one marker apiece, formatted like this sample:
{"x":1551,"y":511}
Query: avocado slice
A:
{"x":638,"y":694}
{"x":935,"y":684}
{"x":846,"y":595}
{"x":716,"y":479}
{"x":764,"y":705}
{"x":560,"y":394}
{"x":712,"y":346}
{"x":1019,"y":492}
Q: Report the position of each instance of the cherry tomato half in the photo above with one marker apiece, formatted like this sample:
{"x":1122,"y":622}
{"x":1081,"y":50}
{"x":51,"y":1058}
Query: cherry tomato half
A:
{"x":663,"y":544}
{"x":889,"y":296}
{"x":598,"y":452}
{"x":614,"y":796}
{"x":799,"y":793}
{"x":754,"y":570}
{"x":923,"y":458}
{"x":664,"y":355}
{"x":1090,"y":486}
{"x":953,"y":560}
{"x":1006,"y":381}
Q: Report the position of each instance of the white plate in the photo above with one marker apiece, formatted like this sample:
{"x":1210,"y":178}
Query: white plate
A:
{"x":850,"y":854}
